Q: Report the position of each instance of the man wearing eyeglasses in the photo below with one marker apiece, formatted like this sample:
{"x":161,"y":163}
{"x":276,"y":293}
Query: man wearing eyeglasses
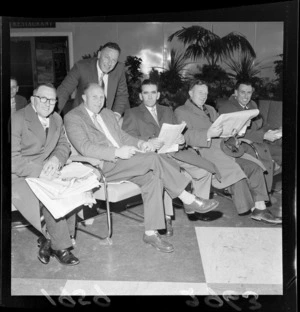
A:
{"x":16,"y":101}
{"x":39,"y":149}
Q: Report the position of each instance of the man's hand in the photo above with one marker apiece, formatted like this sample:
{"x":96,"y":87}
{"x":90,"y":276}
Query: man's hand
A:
{"x":125,"y":152}
{"x":147,"y":147}
{"x":51,"y":169}
{"x":156,"y":142}
{"x":214,"y":132}
{"x":271,"y":136}
{"x":118,"y":116}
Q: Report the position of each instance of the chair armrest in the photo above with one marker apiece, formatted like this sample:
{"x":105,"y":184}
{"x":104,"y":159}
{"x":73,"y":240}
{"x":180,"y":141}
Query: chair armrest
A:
{"x":93,"y":161}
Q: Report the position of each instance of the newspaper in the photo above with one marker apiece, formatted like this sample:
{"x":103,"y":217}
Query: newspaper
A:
{"x":236,"y":122}
{"x":169,"y":134}
{"x":71,"y":190}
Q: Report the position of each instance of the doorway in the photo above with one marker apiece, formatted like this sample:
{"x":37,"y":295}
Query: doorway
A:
{"x":38,"y":59}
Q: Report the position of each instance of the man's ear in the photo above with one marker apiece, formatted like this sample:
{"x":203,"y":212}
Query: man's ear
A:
{"x":98,"y":54}
{"x":158,"y":95}
{"x":235,"y":93}
{"x":17,"y":89}
{"x":84,"y":97}
{"x":190,"y":93}
{"x":140,"y":96}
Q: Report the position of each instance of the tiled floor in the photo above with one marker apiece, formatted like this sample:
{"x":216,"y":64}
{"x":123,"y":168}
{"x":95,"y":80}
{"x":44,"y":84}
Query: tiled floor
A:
{"x":231,"y":253}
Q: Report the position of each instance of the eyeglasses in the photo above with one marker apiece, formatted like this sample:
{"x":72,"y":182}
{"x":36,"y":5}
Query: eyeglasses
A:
{"x":44,"y":100}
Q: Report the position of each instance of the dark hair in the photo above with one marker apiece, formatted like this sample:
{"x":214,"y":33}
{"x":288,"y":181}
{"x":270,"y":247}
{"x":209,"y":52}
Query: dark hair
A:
{"x":197,"y":82}
{"x":48,"y":84}
{"x":14,"y":78}
{"x":246,"y":82}
{"x":111,"y":45}
{"x":149,"y":82}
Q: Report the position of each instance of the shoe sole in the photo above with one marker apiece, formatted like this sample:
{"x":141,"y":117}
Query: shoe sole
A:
{"x":265,"y":221}
{"x":71,"y":264}
{"x":162,"y":250}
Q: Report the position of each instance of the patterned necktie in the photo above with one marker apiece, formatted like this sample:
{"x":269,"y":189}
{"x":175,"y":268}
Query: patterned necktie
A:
{"x":96,"y":123}
{"x":101,"y":81}
{"x":154,"y":114}
{"x":206,"y":112}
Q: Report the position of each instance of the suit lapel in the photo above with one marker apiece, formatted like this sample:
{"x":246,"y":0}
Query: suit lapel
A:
{"x":34,"y":124}
{"x":52,"y":129}
{"x":148,"y":116}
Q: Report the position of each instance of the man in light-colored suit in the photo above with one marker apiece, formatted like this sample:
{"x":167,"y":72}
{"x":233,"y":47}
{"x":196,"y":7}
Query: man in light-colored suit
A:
{"x":39,"y":149}
{"x":142,"y":123}
{"x":105,"y":70}
{"x":243,"y":177}
{"x":95,"y":132}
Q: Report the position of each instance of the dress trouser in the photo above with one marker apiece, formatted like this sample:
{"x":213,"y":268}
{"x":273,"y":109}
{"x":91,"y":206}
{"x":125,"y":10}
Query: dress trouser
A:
{"x":201,"y":179}
{"x":247,"y":191}
{"x":153,"y":173}
{"x":59,"y":230}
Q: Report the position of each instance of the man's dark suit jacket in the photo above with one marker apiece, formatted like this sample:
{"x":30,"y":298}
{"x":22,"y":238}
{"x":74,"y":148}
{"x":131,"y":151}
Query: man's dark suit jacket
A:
{"x":20,"y":101}
{"x":84,"y":72}
{"x":139,"y":123}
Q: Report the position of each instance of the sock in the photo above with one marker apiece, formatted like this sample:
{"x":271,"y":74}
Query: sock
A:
{"x":150,"y":232}
{"x":186,"y":198}
{"x":260,"y":205}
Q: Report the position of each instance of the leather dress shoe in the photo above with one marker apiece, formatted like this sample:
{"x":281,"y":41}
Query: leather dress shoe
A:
{"x":201,"y":205}
{"x":45,"y":249}
{"x":169,"y":228}
{"x":64,"y":256}
{"x":156,"y":241}
{"x":265,"y":216}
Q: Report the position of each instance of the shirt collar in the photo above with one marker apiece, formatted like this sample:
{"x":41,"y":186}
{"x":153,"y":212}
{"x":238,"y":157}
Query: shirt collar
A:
{"x":151,"y":108}
{"x":45,"y":121}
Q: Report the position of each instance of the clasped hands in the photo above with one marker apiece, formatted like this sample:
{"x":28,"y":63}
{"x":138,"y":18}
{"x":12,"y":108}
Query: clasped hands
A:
{"x":50,"y":169}
{"x":273,"y":135}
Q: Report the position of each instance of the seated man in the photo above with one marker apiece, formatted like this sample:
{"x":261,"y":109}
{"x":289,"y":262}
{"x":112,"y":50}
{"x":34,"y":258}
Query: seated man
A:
{"x":242,"y":176}
{"x":94,"y":132}
{"x":241,"y":100}
{"x":39,"y":149}
{"x":142,"y":123}
{"x":16,"y":101}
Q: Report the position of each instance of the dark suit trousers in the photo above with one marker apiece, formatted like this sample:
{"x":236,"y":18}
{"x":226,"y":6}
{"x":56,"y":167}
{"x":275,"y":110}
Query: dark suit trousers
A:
{"x":247,"y":191}
{"x":152,"y":173}
{"x":60,"y":230}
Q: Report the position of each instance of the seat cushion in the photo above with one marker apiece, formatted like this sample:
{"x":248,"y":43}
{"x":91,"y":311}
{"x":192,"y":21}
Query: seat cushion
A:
{"x":118,"y":192}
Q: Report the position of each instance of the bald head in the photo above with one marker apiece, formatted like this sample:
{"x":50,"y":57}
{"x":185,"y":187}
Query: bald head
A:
{"x":93,"y":97}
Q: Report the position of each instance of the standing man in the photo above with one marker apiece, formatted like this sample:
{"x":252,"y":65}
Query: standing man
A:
{"x":244,"y":178}
{"x":144,"y":122}
{"x":259,"y":135}
{"x":39,"y":149}
{"x":107,"y":71}
{"x":16,"y":101}
{"x":95,"y":132}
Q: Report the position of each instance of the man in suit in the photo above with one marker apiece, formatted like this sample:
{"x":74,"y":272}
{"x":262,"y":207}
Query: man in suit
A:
{"x":244,"y":178}
{"x":39,"y":149}
{"x":142,"y":123}
{"x":104,"y":69}
{"x":16,"y":101}
{"x":94,"y":132}
{"x":257,"y":133}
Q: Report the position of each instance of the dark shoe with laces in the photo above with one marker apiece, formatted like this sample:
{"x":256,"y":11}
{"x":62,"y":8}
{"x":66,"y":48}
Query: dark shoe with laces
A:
{"x":156,"y":241}
{"x":45,"y":249}
{"x":65,"y":257}
{"x":201,"y":205}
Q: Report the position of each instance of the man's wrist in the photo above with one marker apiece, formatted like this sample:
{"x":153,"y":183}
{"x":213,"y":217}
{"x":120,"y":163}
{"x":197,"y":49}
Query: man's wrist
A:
{"x":140,"y":143}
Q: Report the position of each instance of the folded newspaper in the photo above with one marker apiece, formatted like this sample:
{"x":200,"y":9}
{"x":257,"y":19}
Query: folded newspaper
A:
{"x":71,"y":190}
{"x":169,"y":134}
{"x":236,"y":122}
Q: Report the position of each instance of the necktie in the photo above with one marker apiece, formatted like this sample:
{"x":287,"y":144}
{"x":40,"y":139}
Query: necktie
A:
{"x":101,"y":81}
{"x":100,"y":125}
{"x":13,"y":105}
{"x":206,"y":112}
{"x":154,"y":114}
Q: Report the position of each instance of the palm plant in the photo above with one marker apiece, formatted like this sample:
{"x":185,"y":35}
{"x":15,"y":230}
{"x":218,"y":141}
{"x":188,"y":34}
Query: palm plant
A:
{"x":204,"y":43}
